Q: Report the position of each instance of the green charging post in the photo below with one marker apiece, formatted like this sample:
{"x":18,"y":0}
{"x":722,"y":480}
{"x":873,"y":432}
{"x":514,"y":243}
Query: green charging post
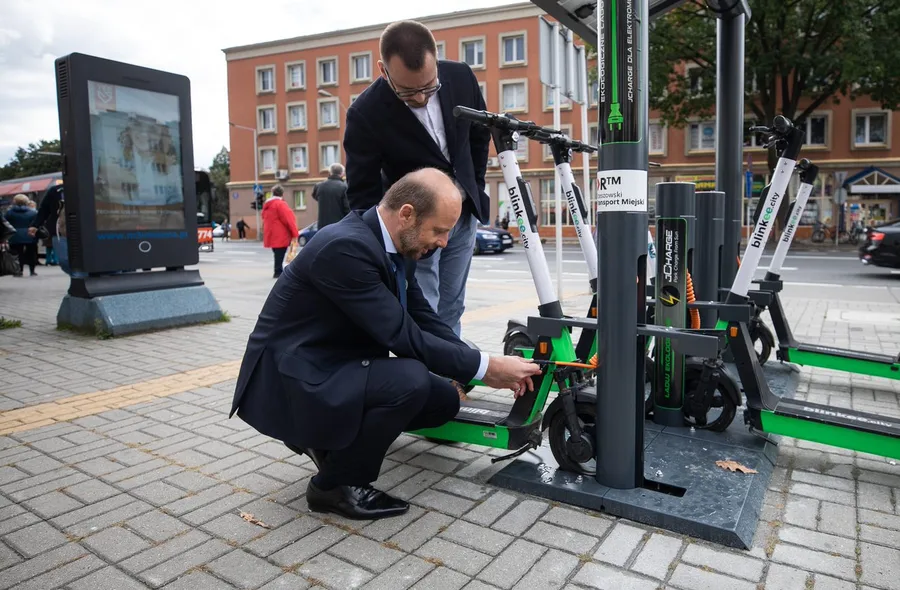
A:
{"x":676,"y":205}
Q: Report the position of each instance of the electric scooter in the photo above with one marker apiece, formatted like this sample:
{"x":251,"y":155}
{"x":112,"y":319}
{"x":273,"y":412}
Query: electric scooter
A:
{"x":517,"y":339}
{"x":519,"y":426}
{"x":770,"y":413}
{"x":812,"y":355}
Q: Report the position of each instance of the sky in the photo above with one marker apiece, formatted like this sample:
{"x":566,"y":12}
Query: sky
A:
{"x":181,"y":36}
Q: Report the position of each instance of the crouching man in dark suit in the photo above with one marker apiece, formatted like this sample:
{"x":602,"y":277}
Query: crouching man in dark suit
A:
{"x":317,"y":373}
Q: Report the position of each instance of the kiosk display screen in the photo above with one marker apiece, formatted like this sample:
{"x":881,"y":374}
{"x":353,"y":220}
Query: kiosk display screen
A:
{"x":137,"y":159}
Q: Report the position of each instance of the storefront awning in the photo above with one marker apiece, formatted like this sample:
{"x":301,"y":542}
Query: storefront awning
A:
{"x":28,"y":186}
{"x":873,"y":181}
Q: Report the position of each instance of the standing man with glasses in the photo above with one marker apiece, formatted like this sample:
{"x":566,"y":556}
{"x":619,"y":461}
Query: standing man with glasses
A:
{"x":403,"y":122}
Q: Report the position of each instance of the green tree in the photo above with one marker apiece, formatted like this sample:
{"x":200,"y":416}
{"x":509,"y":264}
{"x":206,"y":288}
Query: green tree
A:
{"x":29,"y":162}
{"x":815,"y":51}
{"x":220,"y":176}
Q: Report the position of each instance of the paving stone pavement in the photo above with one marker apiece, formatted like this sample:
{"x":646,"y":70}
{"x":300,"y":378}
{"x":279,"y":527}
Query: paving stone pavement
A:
{"x":151,"y":494}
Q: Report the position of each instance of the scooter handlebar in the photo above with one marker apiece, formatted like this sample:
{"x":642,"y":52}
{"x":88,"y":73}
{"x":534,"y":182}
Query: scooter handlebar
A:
{"x":472,"y":115}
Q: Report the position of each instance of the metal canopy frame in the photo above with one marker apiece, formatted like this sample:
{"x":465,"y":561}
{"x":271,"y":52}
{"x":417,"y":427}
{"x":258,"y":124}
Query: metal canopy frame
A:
{"x":580,"y":16}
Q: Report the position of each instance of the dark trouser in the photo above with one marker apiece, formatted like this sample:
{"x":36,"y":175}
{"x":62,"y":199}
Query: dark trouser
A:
{"x":400,"y":395}
{"x":27,"y":254}
{"x":241,"y":232}
{"x":279,"y":259}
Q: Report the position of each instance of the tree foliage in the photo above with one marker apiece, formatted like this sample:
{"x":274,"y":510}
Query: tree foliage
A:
{"x":800,"y":55}
{"x":29,"y":162}
{"x":220,"y":176}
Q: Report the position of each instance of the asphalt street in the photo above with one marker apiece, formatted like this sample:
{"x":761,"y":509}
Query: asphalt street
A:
{"x":494,"y":277}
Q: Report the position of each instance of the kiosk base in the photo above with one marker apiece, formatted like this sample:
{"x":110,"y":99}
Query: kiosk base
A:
{"x":685,"y":491}
{"x":141,"y":311}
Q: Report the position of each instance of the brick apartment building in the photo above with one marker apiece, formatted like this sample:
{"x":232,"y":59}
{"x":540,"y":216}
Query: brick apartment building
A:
{"x":294,"y":93}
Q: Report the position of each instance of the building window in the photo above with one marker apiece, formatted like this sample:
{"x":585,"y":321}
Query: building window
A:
{"x":361,"y":67}
{"x":268,"y":160}
{"x":473,"y":52}
{"x":871,"y":129}
{"x":441,"y":50}
{"x":353,"y":98}
{"x":549,"y":94}
{"x":593,"y":130}
{"x":694,"y":75}
{"x":512,"y":49}
{"x":514,"y":95}
{"x":328,"y":74}
{"x":299,"y":199}
{"x":265,"y":79}
{"x":548,"y":204}
{"x":522,"y":149}
{"x":266,"y":119}
{"x":702,"y":136}
{"x":328,"y":112}
{"x":483,"y":87}
{"x":329,"y":153}
{"x":548,"y":154}
{"x":595,"y":93}
{"x":299,"y":158}
{"x":296,"y":115}
{"x":296,"y":75}
{"x":657,"y":138}
{"x":816,"y":130}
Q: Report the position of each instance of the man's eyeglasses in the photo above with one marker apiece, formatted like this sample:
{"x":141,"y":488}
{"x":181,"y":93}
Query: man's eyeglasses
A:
{"x":427,"y":91}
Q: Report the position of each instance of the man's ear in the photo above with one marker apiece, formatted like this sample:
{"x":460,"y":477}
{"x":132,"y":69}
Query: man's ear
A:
{"x":407,"y":214}
{"x":381,"y":68}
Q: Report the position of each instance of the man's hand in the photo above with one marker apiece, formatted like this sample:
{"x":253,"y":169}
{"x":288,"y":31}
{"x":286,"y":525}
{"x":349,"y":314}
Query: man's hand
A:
{"x":32,"y":231}
{"x":511,"y":372}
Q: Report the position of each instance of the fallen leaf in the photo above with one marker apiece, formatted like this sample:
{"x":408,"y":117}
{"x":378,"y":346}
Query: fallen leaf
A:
{"x":735,"y":466}
{"x":253,"y":520}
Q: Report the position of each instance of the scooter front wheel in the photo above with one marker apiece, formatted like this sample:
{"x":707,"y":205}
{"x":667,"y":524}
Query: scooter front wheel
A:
{"x":575,"y":456}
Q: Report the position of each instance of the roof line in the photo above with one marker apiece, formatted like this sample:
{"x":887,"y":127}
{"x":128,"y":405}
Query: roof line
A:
{"x":377,"y":27}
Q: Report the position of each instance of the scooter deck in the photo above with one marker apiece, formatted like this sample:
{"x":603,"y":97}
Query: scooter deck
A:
{"x":872,"y":357}
{"x":482,"y":412}
{"x":847,"y":429}
{"x":841,"y":359}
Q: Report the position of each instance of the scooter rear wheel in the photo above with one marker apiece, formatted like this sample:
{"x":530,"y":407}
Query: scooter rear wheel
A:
{"x":762,"y":335}
{"x":516,"y":341}
{"x":560,"y":437}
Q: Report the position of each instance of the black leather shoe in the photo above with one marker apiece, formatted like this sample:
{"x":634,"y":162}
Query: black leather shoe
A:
{"x":318,"y":457}
{"x":355,"y":502}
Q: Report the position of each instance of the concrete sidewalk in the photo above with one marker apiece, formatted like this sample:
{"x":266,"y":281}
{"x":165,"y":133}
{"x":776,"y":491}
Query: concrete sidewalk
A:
{"x":119,"y":469}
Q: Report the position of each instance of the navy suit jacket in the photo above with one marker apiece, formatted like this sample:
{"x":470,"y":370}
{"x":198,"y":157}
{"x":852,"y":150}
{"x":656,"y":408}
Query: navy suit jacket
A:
{"x":385,"y":141}
{"x":333,"y":310}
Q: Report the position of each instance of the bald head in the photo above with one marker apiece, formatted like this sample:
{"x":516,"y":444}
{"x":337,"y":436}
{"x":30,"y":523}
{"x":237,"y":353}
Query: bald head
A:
{"x":421,"y":208}
{"x":424,"y":189}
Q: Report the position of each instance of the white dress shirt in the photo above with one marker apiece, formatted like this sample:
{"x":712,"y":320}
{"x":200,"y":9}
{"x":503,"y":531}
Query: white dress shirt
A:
{"x":391,"y":249}
{"x":433,"y":120}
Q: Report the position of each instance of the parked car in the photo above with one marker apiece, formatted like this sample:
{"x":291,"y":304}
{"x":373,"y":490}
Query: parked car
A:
{"x":492,"y":239}
{"x":882,"y":245}
{"x":307,"y":233}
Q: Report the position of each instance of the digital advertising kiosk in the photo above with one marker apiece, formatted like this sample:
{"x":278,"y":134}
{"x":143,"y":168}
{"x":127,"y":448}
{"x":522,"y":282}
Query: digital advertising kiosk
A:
{"x":130,"y":199}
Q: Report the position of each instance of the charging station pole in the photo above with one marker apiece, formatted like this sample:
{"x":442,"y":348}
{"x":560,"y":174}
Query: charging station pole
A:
{"x":621,"y":236}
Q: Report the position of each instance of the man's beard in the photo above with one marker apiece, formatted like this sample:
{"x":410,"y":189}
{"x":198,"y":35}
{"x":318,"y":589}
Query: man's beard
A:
{"x":409,"y":247}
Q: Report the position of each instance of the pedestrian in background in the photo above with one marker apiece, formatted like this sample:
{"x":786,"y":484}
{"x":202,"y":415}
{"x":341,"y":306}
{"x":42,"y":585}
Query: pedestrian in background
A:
{"x":331,"y":194}
{"x":279,"y":227}
{"x":23,"y":245}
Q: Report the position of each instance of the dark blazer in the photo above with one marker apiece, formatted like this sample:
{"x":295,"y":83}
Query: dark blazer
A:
{"x":383,"y":136}
{"x":335,"y":308}
{"x":331,"y":195}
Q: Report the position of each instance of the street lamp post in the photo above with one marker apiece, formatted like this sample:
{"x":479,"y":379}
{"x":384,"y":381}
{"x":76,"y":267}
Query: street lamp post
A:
{"x":255,"y":174}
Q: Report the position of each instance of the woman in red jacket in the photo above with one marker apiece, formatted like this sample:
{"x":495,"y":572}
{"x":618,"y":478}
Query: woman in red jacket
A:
{"x":279,"y":227}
